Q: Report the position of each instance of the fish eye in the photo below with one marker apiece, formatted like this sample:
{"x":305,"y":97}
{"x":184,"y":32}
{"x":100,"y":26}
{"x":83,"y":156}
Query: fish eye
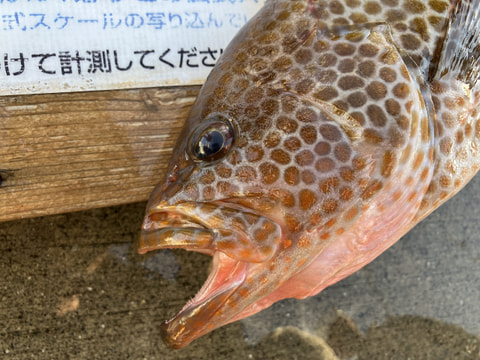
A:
{"x":213,"y":140}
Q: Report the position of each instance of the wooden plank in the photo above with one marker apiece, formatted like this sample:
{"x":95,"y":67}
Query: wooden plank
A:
{"x":75,"y":151}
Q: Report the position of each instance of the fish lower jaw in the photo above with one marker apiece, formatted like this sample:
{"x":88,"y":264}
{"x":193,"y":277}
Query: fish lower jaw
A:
{"x":205,"y":311}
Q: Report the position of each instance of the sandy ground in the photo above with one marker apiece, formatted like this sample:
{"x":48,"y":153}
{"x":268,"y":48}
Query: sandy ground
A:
{"x":72,"y":287}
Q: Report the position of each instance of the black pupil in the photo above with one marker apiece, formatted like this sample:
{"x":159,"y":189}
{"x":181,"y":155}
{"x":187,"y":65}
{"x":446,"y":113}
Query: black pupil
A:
{"x":210,"y":143}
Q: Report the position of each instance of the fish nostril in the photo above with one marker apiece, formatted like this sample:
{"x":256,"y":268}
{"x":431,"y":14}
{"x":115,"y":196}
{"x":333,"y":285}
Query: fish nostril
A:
{"x":173,"y":175}
{"x":178,"y":175}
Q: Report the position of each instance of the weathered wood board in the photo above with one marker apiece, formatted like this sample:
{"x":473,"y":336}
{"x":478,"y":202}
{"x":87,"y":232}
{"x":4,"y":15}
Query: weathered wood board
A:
{"x":75,"y":151}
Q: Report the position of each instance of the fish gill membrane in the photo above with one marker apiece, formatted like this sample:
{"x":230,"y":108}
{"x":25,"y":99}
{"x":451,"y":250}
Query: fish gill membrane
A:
{"x":325,"y":132}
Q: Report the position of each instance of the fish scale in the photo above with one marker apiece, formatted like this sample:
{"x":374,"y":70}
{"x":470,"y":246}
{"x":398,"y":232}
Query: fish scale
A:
{"x":326,"y":131}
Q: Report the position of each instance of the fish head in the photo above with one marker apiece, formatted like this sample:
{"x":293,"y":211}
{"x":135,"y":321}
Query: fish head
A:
{"x":224,"y":197}
{"x":232,"y":191}
{"x":283,"y":155}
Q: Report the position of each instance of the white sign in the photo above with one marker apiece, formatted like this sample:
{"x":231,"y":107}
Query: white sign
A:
{"x":79,"y":45}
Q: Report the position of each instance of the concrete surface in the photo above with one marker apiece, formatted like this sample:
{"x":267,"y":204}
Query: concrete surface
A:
{"x":71,"y":287}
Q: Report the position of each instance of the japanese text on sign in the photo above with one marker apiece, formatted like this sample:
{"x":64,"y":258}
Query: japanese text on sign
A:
{"x":72,"y":45}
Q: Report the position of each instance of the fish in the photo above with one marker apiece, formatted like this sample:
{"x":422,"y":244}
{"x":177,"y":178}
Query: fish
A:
{"x":325,"y":132}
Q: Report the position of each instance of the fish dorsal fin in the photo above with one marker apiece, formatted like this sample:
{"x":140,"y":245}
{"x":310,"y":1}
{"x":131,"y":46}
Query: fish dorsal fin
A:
{"x":459,"y":53}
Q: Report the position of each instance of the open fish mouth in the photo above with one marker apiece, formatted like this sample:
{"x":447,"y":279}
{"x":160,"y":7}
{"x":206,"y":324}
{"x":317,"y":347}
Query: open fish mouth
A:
{"x":196,"y":317}
{"x":225,"y":233}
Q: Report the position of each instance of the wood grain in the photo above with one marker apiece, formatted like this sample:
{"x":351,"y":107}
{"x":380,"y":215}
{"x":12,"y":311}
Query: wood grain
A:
{"x":75,"y":151}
